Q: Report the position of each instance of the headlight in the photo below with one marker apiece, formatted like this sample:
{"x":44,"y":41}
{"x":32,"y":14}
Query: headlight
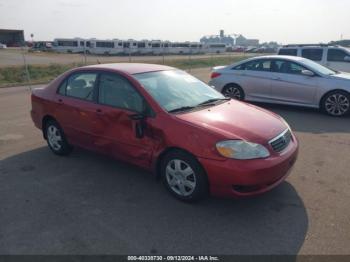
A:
{"x":239,"y":149}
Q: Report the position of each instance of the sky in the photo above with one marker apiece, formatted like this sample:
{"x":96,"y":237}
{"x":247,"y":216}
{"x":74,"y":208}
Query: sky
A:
{"x":292,"y":21}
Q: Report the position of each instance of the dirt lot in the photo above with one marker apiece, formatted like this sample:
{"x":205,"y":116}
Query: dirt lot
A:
{"x":90,"y":204}
{"x":14,"y":57}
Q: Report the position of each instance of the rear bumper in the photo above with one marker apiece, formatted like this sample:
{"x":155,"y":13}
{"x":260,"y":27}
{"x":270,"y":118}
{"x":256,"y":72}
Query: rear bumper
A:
{"x":35,"y":118}
{"x":243,"y":178}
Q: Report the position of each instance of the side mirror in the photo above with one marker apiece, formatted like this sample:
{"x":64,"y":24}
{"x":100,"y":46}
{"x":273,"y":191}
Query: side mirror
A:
{"x":137,"y":116}
{"x":307,"y":73}
{"x":347,"y":59}
{"x":140,"y":124}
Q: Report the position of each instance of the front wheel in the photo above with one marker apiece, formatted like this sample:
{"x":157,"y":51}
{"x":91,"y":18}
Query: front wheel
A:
{"x":336,"y":103}
{"x":56,"y":139}
{"x":183,"y":176}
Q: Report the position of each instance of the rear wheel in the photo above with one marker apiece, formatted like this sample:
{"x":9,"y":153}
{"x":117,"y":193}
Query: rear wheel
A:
{"x":56,"y":139}
{"x":183,"y":176}
{"x":336,"y":103}
{"x":234,"y":91}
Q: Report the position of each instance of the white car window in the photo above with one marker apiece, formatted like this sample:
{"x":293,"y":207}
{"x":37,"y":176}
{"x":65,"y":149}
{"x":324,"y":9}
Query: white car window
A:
{"x":336,"y":55}
{"x":255,"y":65}
{"x":314,"y":54}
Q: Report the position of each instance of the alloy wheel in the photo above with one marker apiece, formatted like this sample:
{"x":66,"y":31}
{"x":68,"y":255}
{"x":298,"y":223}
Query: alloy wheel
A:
{"x":233,"y":92}
{"x":180,"y":177}
{"x":337,"y":104}
{"x":54,"y":137}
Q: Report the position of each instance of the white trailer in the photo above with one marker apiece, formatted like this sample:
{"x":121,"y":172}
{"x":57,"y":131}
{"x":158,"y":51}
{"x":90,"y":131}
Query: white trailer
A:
{"x":70,"y":45}
{"x":196,"y":48}
{"x":157,"y":47}
{"x":106,"y":47}
{"x":144,"y":47}
{"x":179,"y":48}
{"x":130,"y":47}
{"x":215,"y":48}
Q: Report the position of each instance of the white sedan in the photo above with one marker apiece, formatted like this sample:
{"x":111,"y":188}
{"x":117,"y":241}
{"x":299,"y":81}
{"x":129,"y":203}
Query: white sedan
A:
{"x":286,"y":80}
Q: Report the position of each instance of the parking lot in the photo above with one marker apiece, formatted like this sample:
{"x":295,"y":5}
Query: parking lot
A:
{"x":90,"y":204}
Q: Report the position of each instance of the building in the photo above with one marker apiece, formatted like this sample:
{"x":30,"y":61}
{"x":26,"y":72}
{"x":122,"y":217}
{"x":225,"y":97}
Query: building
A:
{"x":229,"y":40}
{"x":12,"y":37}
{"x":345,"y":43}
{"x":218,"y":39}
{"x":242,"y":41}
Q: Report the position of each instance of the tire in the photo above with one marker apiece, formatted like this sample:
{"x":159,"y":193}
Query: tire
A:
{"x":56,"y":139}
{"x":183,"y":176}
{"x":234,"y":91}
{"x":336,"y":103}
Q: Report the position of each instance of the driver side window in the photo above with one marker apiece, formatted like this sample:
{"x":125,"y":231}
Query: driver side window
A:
{"x":116,"y":91}
{"x":255,"y":65}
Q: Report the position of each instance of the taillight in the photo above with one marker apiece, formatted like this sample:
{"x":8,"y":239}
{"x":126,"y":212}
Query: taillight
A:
{"x":214,"y":75}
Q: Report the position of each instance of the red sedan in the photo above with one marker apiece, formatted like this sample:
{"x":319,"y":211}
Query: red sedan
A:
{"x":163,"y":119}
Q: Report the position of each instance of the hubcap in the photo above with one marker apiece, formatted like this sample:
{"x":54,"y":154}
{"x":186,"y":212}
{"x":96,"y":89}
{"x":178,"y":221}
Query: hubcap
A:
{"x":233,"y":92}
{"x":337,"y":104}
{"x":54,"y":137}
{"x":180,"y":177}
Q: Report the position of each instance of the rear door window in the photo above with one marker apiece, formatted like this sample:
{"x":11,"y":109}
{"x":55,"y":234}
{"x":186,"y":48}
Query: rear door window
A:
{"x":314,"y":54}
{"x":80,"y":85}
{"x":288,"y":51}
{"x":336,"y":55}
{"x":257,"y":65}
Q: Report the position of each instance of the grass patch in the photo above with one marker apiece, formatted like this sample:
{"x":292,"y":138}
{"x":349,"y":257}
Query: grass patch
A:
{"x":203,"y":62}
{"x":16,"y":75}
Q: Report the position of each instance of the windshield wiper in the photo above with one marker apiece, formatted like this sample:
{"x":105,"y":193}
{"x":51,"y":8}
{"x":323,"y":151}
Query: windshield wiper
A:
{"x":180,"y":109}
{"x":205,"y":103}
{"x":211,"y":101}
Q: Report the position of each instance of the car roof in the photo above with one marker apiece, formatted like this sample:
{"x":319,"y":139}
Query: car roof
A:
{"x":131,"y":68}
{"x":288,"y":57}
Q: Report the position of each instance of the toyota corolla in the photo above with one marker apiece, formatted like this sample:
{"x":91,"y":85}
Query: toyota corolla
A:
{"x":165,"y":120}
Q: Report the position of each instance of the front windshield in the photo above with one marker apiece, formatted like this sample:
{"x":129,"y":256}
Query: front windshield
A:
{"x":319,"y":68}
{"x":175,"y":89}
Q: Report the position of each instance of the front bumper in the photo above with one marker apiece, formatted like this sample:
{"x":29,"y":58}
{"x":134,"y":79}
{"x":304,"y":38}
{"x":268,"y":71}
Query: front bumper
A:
{"x":242,"y":178}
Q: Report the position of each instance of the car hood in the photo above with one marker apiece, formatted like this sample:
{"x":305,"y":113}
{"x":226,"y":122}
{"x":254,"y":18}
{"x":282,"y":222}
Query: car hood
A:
{"x":238,"y":120}
{"x":341,"y":76}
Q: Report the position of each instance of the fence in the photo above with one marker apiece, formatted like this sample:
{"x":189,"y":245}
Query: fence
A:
{"x":24,"y":67}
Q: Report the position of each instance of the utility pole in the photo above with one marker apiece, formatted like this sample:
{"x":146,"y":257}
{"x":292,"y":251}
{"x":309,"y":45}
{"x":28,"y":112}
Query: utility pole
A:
{"x":85,"y":52}
{"x":26,"y":68}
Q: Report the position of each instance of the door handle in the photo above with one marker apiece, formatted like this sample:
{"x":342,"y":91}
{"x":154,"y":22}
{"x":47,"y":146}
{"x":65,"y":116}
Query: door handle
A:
{"x":276,"y":78}
{"x":60,"y":101}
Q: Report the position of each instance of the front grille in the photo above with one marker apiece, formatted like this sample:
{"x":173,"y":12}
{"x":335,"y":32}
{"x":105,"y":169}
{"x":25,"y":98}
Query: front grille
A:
{"x":280,"y":142}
